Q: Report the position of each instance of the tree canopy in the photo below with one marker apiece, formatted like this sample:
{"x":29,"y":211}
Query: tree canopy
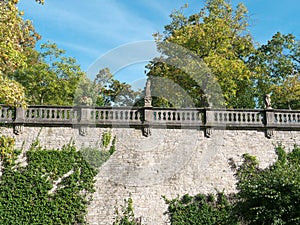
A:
{"x":51,"y":78}
{"x":46,"y":76}
{"x":17,"y":36}
{"x":244,"y":70}
{"x":218,"y":35}
{"x":105,"y":90}
{"x":207,"y":59}
{"x":278,"y":64}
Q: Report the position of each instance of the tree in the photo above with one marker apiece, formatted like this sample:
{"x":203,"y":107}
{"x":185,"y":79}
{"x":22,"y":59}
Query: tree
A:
{"x":278,"y":64}
{"x":105,"y":91}
{"x":50,"y":77}
{"x":270,"y":195}
{"x":17,"y":36}
{"x":218,"y":36}
{"x":11,"y":93}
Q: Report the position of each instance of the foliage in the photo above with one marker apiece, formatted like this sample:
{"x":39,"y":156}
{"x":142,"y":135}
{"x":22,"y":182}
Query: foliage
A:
{"x":105,"y":91}
{"x":112,"y":148}
{"x":270,"y":195}
{"x":94,"y":157}
{"x":52,"y":189}
{"x":201,"y":209}
{"x":11,"y":93}
{"x":265,"y":196}
{"x":7,"y":153}
{"x":106,"y":139}
{"x":17,"y":37}
{"x":127,"y":214}
{"x":278,"y":65}
{"x":218,"y":36}
{"x":51,"y":78}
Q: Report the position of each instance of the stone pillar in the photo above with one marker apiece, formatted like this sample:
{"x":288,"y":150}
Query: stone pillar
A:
{"x":19,"y":121}
{"x":85,"y":114}
{"x":269,"y":123}
{"x":209,"y":120}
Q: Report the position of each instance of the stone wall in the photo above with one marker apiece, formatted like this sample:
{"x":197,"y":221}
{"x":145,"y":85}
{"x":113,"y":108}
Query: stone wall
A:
{"x":170,"y":162}
{"x":173,"y":163}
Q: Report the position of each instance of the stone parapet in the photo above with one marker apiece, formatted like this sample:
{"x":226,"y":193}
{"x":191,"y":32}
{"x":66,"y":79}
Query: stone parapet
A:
{"x":151,"y":117}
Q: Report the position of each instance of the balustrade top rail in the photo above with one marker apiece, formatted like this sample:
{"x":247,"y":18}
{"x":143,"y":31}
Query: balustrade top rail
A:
{"x":172,"y":117}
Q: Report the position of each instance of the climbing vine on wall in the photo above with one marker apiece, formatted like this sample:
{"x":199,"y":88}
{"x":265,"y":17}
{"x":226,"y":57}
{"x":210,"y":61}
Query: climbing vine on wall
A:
{"x":126,"y":215}
{"x":201,"y":209}
{"x":53,"y":188}
{"x":265,"y":196}
{"x":106,"y":139}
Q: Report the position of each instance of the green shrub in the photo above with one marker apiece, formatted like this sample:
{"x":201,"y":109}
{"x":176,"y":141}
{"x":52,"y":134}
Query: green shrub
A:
{"x":126,"y":217}
{"x":201,"y":209}
{"x":270,"y":195}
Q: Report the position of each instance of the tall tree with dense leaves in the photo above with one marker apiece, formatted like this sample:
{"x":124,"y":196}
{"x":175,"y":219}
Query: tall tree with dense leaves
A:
{"x":218,"y":36}
{"x":105,"y":90}
{"x":51,"y":78}
{"x":17,"y":36}
{"x":278,"y":67}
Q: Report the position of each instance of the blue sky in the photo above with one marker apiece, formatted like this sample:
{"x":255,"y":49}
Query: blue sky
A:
{"x":89,"y":30}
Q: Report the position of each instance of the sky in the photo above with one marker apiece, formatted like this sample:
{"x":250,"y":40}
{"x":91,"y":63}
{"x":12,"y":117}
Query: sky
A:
{"x":118,"y":33}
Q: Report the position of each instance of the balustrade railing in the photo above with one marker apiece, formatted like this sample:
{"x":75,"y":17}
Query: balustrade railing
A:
{"x":189,"y":117}
{"x":120,"y":115}
{"x":7,"y":114}
{"x":236,"y":117}
{"x":287,"y":118}
{"x":48,"y":114}
{"x":180,"y":117}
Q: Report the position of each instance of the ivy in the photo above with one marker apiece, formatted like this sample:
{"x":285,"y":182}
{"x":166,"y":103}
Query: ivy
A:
{"x":7,"y":154}
{"x":126,"y":216}
{"x":201,"y":209}
{"x":106,"y":139}
{"x":53,"y":188}
{"x":112,"y":148}
{"x":95,"y":157}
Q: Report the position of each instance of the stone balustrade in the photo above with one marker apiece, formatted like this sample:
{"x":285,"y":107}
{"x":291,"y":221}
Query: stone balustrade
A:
{"x":122,"y":116}
{"x":7,"y":114}
{"x":290,"y":118}
{"x":152,"y":117}
{"x":236,"y":117}
{"x":177,"y":117}
{"x":49,"y":114}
